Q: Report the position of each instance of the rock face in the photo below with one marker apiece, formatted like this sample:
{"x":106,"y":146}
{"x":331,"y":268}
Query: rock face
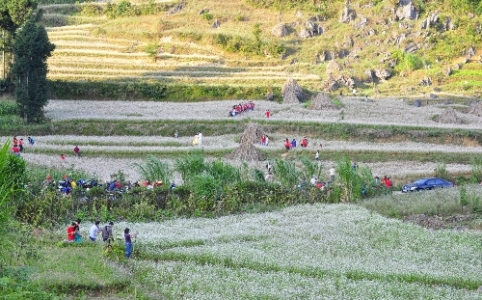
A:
{"x":430,"y":21}
{"x":382,"y":74}
{"x":347,"y":14}
{"x":406,"y":10}
{"x":292,"y":92}
{"x":280,"y":30}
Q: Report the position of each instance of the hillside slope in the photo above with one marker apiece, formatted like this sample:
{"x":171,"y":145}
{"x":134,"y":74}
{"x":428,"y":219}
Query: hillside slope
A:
{"x":197,"y":50}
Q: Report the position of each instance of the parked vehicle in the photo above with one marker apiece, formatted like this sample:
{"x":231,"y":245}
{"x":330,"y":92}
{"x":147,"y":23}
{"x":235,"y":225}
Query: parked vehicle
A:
{"x":426,"y":184}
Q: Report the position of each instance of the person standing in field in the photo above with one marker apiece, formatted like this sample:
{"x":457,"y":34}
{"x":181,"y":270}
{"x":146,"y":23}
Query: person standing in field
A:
{"x":107,"y":233}
{"x":200,"y":136}
{"x":62,"y":157}
{"x":195,"y":142}
{"x":77,"y":151}
{"x":71,"y":232}
{"x":317,"y":155}
{"x":20,"y":145}
{"x":267,"y":113}
{"x":332,"y":174}
{"x":94,"y":231}
{"x":77,"y":235}
{"x":266,"y":141}
{"x":128,"y":242}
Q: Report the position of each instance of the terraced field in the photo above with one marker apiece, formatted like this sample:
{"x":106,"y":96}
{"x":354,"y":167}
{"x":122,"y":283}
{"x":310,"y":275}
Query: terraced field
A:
{"x":393,"y":155}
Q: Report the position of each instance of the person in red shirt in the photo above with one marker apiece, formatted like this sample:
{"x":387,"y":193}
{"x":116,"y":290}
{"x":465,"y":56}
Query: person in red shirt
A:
{"x":287,"y":144}
{"x":267,"y":113}
{"x":62,"y":157}
{"x":77,"y":151}
{"x":71,"y":232}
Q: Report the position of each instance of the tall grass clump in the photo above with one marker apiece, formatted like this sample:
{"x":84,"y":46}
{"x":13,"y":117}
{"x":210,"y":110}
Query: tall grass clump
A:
{"x":189,"y":166}
{"x":476,"y":173}
{"x":153,"y":169}
{"x":285,"y":172}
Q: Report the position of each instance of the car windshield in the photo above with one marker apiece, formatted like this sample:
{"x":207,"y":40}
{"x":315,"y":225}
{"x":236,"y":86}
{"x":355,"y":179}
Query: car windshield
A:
{"x":420,"y":181}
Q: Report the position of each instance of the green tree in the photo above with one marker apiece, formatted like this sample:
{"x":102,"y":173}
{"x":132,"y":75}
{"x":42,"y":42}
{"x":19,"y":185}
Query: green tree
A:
{"x":13,"y":14}
{"x":31,"y":50}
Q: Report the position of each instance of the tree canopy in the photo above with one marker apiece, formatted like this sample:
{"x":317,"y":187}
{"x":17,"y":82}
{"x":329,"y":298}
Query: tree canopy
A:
{"x":31,"y":50}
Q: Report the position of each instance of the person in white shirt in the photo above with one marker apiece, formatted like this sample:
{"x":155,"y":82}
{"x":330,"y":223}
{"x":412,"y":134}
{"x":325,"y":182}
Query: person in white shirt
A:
{"x":94,"y":230}
{"x":200,"y":137}
{"x":332,"y":174}
{"x":313,"y":180}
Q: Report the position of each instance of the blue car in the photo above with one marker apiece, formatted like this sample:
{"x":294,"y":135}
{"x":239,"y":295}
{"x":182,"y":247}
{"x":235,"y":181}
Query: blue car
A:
{"x":426,"y":184}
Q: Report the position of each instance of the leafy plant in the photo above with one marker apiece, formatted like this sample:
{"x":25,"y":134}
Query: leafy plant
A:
{"x":154,"y":169}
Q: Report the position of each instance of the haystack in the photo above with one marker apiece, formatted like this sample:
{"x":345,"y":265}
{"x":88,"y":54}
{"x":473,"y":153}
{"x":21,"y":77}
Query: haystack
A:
{"x":449,"y":116}
{"x":292,"y":92}
{"x":246,"y":152}
{"x":252,"y":134}
{"x":322,"y":102}
{"x":476,"y":109}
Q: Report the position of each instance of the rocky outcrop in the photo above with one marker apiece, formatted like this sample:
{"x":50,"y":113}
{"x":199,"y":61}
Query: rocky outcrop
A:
{"x":280,"y":30}
{"x":430,"y":21}
{"x":347,"y":15}
{"x":406,"y":10}
{"x":411,"y":48}
{"x":383,"y":74}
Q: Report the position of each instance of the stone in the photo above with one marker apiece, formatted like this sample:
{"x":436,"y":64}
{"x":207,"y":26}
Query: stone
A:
{"x":411,"y":48}
{"x":406,"y":10}
{"x":382,"y":74}
{"x":417,"y":103}
{"x":280,"y":30}
{"x":304,"y":33}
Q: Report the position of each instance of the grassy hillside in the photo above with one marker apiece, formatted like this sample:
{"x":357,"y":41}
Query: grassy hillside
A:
{"x":138,"y":45}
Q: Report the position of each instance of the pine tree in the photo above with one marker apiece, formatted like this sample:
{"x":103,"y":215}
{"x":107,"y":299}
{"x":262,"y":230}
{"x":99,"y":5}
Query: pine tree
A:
{"x":31,"y":50}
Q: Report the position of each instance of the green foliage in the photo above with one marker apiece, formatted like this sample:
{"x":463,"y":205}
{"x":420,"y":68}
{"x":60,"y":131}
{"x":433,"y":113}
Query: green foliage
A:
{"x":151,"y":49}
{"x":407,"y":62}
{"x":153,"y":169}
{"x":441,"y":171}
{"x":207,"y":16}
{"x":190,"y":166}
{"x":107,"y":90}
{"x":31,"y":49}
{"x":284,"y":5}
{"x":476,"y":173}
{"x":351,"y":183}
{"x":8,"y":108}
{"x":285,"y":172}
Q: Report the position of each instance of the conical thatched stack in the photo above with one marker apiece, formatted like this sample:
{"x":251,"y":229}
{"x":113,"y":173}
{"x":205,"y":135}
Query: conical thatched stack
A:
{"x":476,"y":109}
{"x":246,"y":152}
{"x":252,"y":134}
{"x":322,"y":102}
{"x":292,"y":92}
{"x":449,"y":116}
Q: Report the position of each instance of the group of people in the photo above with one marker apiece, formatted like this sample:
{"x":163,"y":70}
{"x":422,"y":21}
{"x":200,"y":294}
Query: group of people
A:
{"x":241,"y":107}
{"x":76,"y":153}
{"x":17,"y":147}
{"x":264,"y":140}
{"x":293,"y":143}
{"x":106,"y":232}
